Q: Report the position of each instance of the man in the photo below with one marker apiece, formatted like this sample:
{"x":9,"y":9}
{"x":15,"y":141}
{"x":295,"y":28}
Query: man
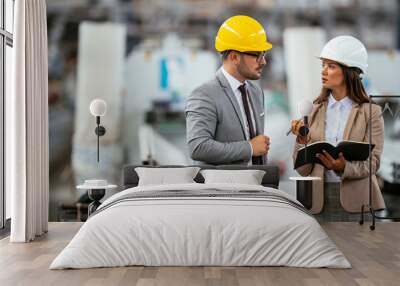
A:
{"x":225,"y":116}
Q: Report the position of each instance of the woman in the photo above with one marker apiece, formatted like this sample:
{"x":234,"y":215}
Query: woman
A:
{"x":341,"y":112}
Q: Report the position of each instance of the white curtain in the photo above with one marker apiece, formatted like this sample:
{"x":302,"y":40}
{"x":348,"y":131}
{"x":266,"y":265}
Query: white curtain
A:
{"x":27,"y":155}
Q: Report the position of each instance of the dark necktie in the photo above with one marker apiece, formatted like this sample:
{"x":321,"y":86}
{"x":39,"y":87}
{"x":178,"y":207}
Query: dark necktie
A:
{"x":252,"y":130}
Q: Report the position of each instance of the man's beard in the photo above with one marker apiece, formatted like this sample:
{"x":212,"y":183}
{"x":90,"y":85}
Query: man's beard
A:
{"x":244,"y":71}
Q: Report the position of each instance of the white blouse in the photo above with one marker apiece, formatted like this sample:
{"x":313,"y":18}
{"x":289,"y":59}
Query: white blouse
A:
{"x":336,"y":118}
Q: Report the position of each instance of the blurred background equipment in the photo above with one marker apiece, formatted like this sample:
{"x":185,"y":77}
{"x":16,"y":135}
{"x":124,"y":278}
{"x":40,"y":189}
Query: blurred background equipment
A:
{"x":144,"y":57}
{"x":168,"y":73}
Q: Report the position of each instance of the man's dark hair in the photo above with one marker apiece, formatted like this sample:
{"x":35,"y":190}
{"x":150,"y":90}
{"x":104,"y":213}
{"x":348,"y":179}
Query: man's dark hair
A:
{"x":225,"y":54}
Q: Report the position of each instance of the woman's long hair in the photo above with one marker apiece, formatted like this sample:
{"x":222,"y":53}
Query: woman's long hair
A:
{"x":354,"y":86}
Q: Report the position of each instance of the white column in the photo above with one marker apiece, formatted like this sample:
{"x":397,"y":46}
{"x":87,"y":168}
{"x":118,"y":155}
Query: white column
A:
{"x":302,"y":48}
{"x":100,"y":75}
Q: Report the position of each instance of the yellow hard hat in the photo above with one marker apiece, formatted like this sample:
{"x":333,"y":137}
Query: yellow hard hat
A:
{"x":243,"y":34}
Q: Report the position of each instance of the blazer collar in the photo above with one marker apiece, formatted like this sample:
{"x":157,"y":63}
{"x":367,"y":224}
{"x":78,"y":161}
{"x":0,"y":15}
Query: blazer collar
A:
{"x":221,"y":78}
{"x":232,"y":81}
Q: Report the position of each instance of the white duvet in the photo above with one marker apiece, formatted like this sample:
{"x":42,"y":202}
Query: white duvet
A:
{"x":200,"y":231}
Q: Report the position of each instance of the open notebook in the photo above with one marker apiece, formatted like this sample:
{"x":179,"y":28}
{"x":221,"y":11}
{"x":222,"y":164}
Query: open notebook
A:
{"x":352,"y":151}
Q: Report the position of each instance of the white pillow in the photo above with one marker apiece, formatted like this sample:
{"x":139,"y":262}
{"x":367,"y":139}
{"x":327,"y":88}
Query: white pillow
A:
{"x":248,"y":177}
{"x":163,"y":176}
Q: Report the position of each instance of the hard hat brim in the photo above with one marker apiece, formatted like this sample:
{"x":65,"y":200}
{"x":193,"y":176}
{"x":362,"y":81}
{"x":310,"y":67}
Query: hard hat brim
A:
{"x":332,"y":59}
{"x":221,"y":47}
{"x":363,"y":70}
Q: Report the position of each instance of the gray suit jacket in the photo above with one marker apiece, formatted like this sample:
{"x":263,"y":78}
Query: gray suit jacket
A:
{"x":215,"y":129}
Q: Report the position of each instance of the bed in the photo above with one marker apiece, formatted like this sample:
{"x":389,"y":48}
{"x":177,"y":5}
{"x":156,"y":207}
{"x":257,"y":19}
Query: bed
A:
{"x":201,"y":224}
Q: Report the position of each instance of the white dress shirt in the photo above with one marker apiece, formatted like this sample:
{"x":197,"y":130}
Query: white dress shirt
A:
{"x":337,"y":114}
{"x":234,"y":84}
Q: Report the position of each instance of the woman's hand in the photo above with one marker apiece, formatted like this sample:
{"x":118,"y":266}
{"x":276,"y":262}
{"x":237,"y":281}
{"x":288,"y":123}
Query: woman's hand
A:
{"x":332,"y":164}
{"x":296,"y":125}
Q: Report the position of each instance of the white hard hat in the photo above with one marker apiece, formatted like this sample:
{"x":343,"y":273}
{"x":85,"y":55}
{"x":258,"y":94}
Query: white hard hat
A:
{"x":348,"y":51}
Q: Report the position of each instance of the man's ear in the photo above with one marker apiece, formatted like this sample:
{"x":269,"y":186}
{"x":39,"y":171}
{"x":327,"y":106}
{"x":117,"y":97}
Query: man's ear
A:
{"x":234,"y":57}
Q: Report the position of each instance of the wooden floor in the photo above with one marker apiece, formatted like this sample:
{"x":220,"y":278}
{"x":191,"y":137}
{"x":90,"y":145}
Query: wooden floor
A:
{"x":374,"y":255}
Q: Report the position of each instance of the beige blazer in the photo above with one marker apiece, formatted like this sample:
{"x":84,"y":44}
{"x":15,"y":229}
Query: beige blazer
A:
{"x":354,"y":187}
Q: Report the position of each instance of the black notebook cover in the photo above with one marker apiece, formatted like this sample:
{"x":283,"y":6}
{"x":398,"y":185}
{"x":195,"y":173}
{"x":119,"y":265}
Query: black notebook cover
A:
{"x":352,"y":151}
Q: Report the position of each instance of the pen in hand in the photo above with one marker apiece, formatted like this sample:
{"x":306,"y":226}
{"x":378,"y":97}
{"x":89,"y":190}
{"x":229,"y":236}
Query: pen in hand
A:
{"x":304,"y":107}
{"x":303,"y":131}
{"x":291,"y":129}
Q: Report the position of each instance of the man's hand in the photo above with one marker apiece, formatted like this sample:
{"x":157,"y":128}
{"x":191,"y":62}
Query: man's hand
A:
{"x":260,"y":145}
{"x":332,"y":164}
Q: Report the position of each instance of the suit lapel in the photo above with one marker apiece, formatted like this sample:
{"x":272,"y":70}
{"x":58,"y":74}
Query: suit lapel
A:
{"x":318,"y":120}
{"x":256,"y":112}
{"x":255,"y":106}
{"x":350,"y":121}
{"x":229,"y":93}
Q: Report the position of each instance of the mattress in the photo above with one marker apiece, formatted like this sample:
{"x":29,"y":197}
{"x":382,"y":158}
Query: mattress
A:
{"x":201,"y":225}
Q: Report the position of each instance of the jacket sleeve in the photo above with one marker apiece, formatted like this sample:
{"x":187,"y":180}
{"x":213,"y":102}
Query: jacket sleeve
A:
{"x":201,"y":124}
{"x":360,"y":169}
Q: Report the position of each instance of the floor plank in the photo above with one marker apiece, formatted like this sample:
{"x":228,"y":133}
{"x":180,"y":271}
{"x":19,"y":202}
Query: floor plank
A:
{"x":374,"y":255}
